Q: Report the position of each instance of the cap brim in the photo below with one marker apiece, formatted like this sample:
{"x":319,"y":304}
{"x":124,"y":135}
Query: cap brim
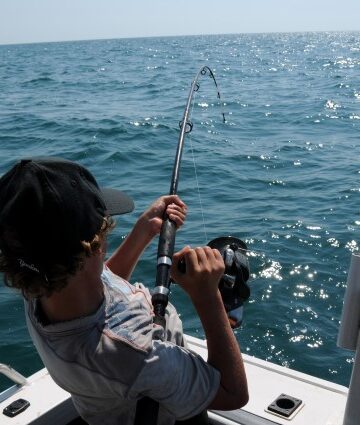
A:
{"x":116,"y":202}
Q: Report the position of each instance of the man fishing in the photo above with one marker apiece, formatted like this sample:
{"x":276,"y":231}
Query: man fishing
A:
{"x":95,"y":331}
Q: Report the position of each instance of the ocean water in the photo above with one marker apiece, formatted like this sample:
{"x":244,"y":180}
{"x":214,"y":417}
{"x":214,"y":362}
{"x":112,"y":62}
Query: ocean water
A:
{"x":282,"y":173}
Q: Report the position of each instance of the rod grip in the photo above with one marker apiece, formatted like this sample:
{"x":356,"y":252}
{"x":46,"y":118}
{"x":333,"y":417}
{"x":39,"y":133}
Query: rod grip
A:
{"x":165,"y":252}
{"x":167,"y":239}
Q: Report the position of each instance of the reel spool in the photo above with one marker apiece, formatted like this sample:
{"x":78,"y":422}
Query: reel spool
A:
{"x":233,"y":287}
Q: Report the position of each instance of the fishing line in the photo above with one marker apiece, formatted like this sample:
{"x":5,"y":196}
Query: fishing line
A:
{"x":196,"y":176}
{"x":198,"y":191}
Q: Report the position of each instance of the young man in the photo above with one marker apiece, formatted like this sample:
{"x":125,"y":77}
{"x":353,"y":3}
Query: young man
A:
{"x":93,"y":330}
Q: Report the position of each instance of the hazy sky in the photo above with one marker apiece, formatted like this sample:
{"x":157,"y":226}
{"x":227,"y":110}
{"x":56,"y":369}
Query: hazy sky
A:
{"x":25,"y":21}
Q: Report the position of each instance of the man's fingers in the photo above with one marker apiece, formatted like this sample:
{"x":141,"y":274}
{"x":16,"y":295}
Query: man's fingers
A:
{"x":177,"y":206}
{"x":176,"y":209}
{"x":176,"y":213}
{"x":175,"y":199}
{"x":191,"y":260}
{"x":178,"y":255}
{"x":201,"y":256}
{"x":198,"y":258}
{"x":217,"y":255}
{"x":209,"y":253}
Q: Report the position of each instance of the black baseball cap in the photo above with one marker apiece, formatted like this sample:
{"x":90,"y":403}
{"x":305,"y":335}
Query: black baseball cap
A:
{"x":52,"y":204}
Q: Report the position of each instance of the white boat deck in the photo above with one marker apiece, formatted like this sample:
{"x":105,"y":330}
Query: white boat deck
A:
{"x":323,"y":403}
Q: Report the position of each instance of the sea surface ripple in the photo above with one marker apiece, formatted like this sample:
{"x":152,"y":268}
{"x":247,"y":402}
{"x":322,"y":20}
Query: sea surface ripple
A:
{"x":281,"y":173}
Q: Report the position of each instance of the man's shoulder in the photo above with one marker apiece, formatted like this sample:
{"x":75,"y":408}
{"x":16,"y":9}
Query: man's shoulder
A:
{"x":128,"y":313}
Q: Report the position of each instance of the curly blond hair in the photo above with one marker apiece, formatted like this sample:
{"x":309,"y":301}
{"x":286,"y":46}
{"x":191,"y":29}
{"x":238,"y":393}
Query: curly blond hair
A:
{"x":33,"y":281}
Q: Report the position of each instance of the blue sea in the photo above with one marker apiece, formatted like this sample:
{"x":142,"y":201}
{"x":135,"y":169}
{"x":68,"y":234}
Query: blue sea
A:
{"x":282,"y":173}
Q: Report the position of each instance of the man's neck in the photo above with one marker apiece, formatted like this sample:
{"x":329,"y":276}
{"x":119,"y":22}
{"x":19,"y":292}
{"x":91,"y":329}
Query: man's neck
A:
{"x":81,"y":297}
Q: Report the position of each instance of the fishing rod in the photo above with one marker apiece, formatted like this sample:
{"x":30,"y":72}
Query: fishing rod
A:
{"x":166,"y":243}
{"x":233,"y":287}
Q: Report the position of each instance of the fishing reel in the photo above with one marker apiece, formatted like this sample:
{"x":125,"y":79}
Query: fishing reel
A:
{"x":233,"y":287}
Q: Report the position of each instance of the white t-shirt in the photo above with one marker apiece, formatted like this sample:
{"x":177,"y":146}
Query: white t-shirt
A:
{"x":110,"y":359}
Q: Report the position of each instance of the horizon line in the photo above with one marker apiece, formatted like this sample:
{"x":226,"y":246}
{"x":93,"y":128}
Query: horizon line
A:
{"x":169,"y":36}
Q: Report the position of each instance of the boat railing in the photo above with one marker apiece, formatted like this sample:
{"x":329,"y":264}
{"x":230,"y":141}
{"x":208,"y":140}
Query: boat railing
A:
{"x":16,"y":377}
{"x":13,"y":374}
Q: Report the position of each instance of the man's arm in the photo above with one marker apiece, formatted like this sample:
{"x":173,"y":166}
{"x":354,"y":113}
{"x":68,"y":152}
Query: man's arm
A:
{"x":204,"y":268}
{"x":125,"y":258}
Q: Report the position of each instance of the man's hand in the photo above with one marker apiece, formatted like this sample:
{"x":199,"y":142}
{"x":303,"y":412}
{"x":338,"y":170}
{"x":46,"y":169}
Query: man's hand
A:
{"x":204,"y":268}
{"x":125,"y":258}
{"x":151,"y":220}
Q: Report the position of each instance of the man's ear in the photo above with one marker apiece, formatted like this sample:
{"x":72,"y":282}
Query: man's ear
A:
{"x":101,"y":251}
